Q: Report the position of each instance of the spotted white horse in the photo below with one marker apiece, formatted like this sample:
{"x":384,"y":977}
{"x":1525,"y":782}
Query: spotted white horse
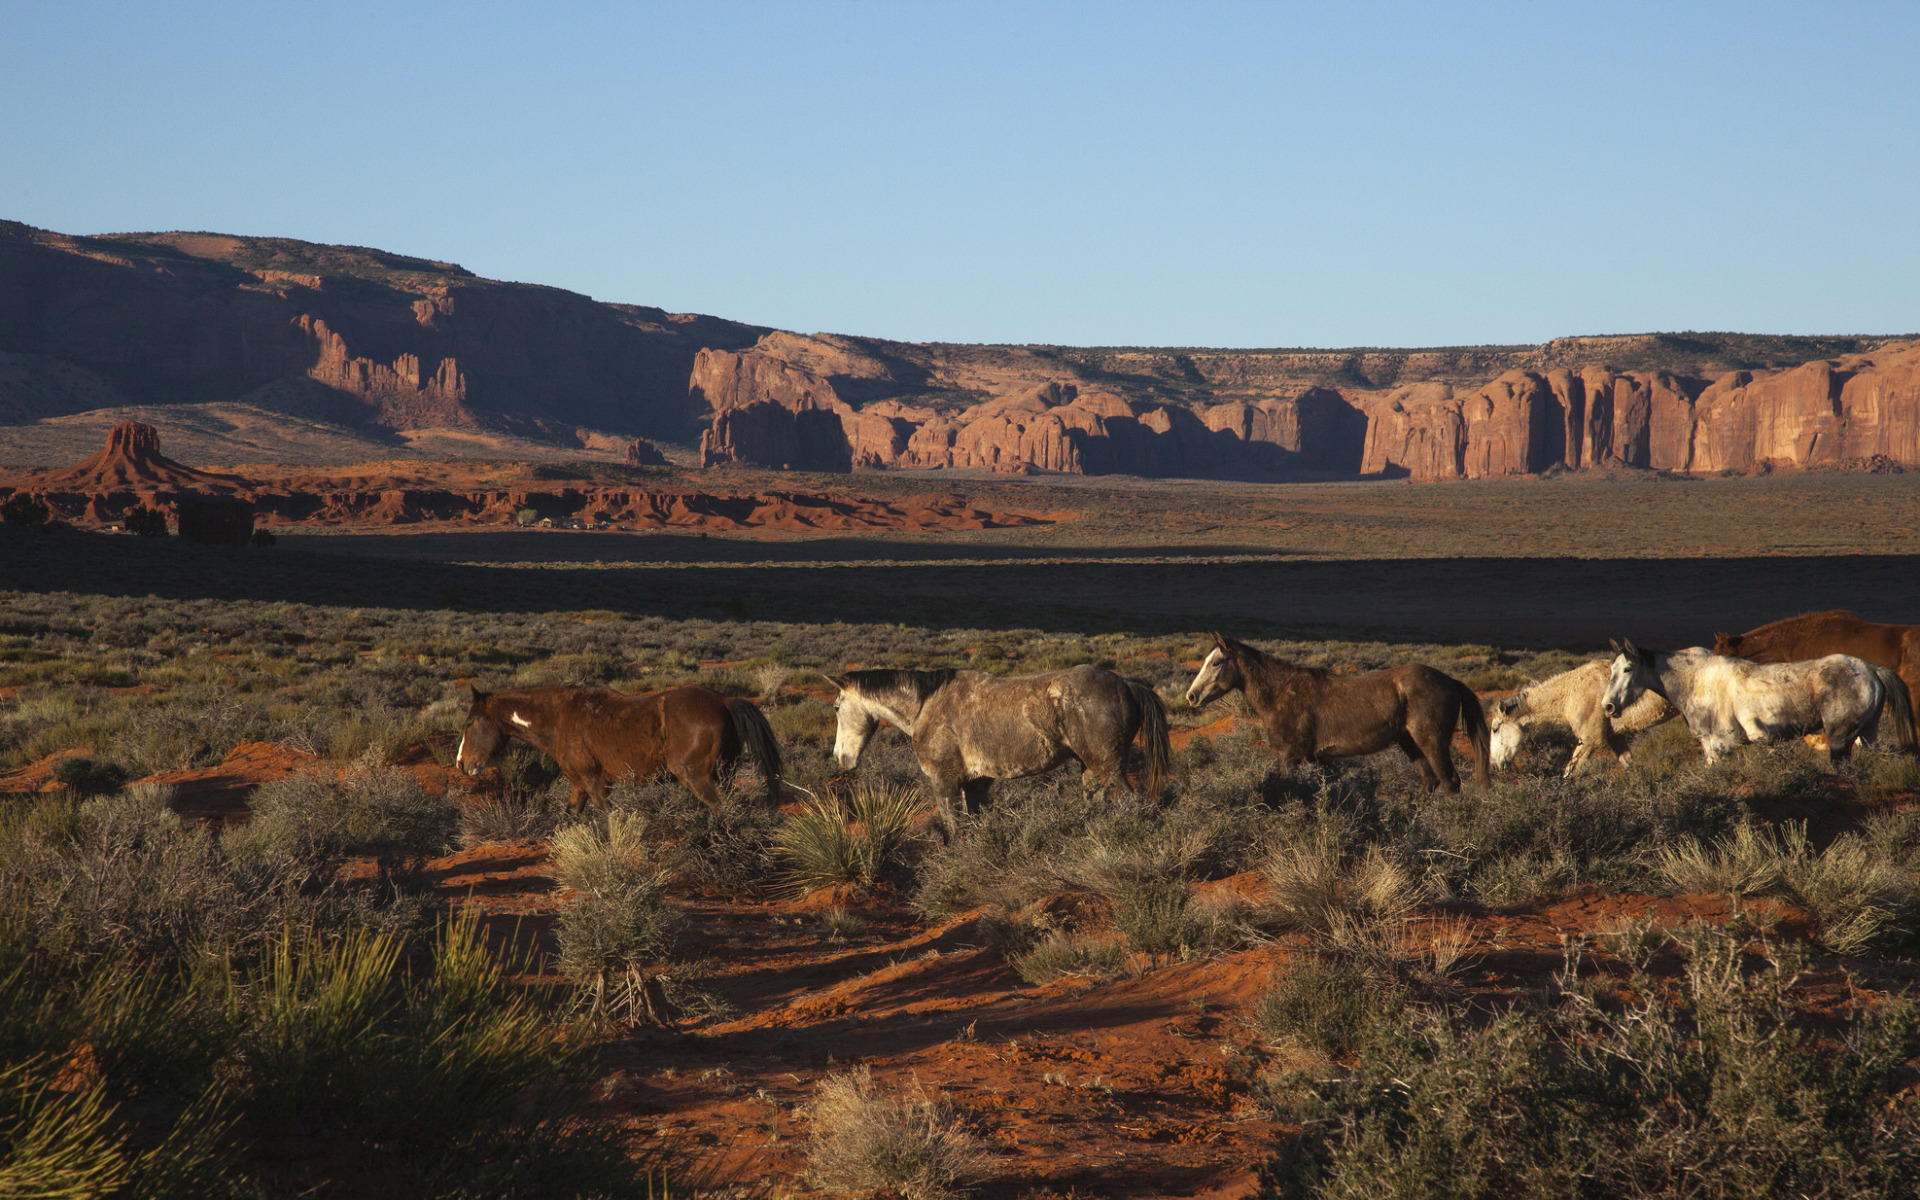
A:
{"x":1728,"y":702}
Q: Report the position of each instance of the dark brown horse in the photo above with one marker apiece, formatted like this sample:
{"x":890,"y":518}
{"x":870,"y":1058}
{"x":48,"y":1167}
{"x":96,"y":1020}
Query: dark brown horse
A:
{"x":1816,"y":635}
{"x":1311,"y":715}
{"x":599,"y":736}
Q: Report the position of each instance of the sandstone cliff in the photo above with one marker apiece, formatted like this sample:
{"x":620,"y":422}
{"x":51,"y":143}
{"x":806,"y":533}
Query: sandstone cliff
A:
{"x":345,"y":334}
{"x":808,"y":404}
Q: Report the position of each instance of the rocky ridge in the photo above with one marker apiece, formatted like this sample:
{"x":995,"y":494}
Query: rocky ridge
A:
{"x":345,"y":334}
{"x":130,"y":472}
{"x":837,"y":403}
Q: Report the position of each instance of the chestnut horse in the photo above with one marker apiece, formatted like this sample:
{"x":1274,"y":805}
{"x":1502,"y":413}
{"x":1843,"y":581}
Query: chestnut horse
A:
{"x":1836,"y":631}
{"x":599,"y":736}
{"x":1311,"y":715}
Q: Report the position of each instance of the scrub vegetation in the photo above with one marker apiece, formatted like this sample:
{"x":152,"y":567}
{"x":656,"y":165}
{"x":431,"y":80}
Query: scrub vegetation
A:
{"x":285,"y":1006}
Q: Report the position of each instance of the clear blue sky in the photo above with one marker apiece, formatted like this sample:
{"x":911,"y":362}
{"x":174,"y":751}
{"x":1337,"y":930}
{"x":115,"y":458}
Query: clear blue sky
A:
{"x":1173,"y":174}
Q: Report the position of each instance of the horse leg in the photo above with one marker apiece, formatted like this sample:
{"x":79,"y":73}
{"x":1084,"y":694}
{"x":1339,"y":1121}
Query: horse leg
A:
{"x":578,"y":800}
{"x":974,"y":794}
{"x":1418,"y":758}
{"x":700,"y":783}
{"x":1581,"y":753}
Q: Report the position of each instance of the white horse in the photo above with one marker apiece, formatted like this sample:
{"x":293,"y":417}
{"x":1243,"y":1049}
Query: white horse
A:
{"x":1730,"y":701}
{"x":1573,"y":698}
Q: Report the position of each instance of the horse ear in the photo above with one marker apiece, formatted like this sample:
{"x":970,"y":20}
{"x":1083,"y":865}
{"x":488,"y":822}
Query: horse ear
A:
{"x":1509,"y":703}
{"x":1218,"y":641}
{"x":1615,"y":643}
{"x":478,"y":695}
{"x":1630,"y":650}
{"x":839,"y":682}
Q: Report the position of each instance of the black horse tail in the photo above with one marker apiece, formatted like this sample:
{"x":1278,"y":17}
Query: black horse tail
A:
{"x":756,"y":737}
{"x":1153,"y":734}
{"x":1899,"y":706}
{"x":1475,"y":719}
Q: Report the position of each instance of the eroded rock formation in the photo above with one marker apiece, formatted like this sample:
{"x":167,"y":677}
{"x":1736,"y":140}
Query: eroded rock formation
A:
{"x":340,"y":333}
{"x":131,"y":472}
{"x":778,"y":406}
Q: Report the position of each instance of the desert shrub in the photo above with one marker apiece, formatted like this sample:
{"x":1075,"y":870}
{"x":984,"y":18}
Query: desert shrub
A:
{"x":309,"y":824}
{"x":86,"y":774}
{"x":1665,"y":751}
{"x":1861,"y":890}
{"x":1327,"y":1006}
{"x":1061,"y":954}
{"x":147,"y":522}
{"x":1711,"y":1088}
{"x":119,"y":874}
{"x":863,"y":1141}
{"x":22,"y":508}
{"x":856,"y":840}
{"x":837,"y":924}
{"x":616,"y":934}
{"x":507,"y":818}
{"x":57,"y":1139}
{"x":1861,"y":899}
{"x":806,"y":719}
{"x":446,"y":1078}
{"x":1884,"y":774}
{"x":727,"y":847}
{"x":1744,"y":862}
{"x":1146,"y":872}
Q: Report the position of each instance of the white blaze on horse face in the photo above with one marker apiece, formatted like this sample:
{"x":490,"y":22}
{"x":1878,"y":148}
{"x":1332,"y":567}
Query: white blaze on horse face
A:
{"x":1200,"y":691}
{"x":1621,"y":687}
{"x":521,"y":721}
{"x":855,"y":727}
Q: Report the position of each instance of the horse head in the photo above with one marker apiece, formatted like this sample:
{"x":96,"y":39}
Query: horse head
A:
{"x":866,"y":699}
{"x":481,"y":738}
{"x":1630,"y":676}
{"x":1219,"y":674}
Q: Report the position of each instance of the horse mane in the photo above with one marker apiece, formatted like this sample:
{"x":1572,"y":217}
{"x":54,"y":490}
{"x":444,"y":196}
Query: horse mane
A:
{"x":1264,"y":666}
{"x":918,"y":684}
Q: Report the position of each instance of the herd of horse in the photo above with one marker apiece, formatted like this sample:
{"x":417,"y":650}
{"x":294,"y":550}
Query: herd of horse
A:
{"x":1827,"y":673}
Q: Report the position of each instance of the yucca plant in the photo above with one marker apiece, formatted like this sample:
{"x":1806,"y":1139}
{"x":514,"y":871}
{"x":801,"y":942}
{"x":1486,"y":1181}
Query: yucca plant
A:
{"x":830,"y":843}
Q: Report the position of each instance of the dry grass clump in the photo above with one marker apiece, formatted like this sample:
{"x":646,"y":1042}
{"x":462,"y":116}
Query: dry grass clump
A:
{"x":1862,"y":891}
{"x":863,"y":1141}
{"x":617,"y":931}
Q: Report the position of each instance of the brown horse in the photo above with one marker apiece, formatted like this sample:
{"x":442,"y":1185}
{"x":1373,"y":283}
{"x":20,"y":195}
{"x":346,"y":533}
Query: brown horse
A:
{"x":1836,"y":631}
{"x":599,"y":736}
{"x":1311,"y":715}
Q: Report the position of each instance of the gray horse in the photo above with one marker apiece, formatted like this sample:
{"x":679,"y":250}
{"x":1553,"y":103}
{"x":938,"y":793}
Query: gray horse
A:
{"x":970,"y":728}
{"x":1730,"y":701}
